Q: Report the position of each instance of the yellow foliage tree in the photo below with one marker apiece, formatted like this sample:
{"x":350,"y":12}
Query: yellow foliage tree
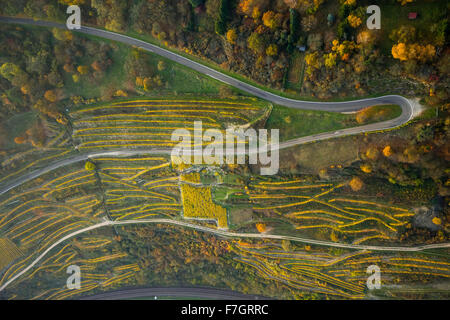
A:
{"x":365,"y":37}
{"x":248,"y":6}
{"x":89,"y":166}
{"x":271,"y":19}
{"x":19,"y":140}
{"x":231,"y":36}
{"x":367,"y":168}
{"x":313,"y":62}
{"x":354,"y":21}
{"x":414,"y":51}
{"x":120,"y":93}
{"x":272,"y":50}
{"x":147,"y":84}
{"x":437,"y":221}
{"x":330,"y":60}
{"x":139,"y":81}
{"x":334,"y":237}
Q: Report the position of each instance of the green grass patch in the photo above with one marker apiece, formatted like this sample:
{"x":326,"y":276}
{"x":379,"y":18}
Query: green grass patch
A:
{"x":17,"y":125}
{"x":295,"y":123}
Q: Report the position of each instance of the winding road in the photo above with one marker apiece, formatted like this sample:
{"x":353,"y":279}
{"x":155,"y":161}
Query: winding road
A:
{"x":223,"y":233}
{"x":409,"y":109}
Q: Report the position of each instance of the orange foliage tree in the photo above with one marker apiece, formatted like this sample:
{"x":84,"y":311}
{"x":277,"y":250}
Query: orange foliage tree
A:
{"x":356,"y":184}
{"x":261,"y":227}
{"x":50,"y":95}
{"x":387,"y":151}
{"x":19,"y":140}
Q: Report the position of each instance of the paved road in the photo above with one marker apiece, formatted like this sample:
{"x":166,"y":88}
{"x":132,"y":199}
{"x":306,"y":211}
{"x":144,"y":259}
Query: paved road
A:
{"x":223,"y":233}
{"x":195,"y":292}
{"x":348,"y":106}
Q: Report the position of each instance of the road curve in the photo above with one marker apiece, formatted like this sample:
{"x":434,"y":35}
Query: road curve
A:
{"x":223,"y":233}
{"x":347,"y":106}
{"x":194,"y":292}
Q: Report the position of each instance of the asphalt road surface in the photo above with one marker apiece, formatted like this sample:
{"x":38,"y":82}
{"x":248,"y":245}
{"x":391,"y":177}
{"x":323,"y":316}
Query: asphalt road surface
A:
{"x":223,"y":233}
{"x":347,"y":106}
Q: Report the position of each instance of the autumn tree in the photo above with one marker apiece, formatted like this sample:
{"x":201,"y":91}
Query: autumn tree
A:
{"x":313,"y":62}
{"x":248,"y":6}
{"x":272,"y":20}
{"x":354,"y":21}
{"x":261,"y":227}
{"x":231,"y":36}
{"x":405,"y":52}
{"x":62,"y":35}
{"x":366,"y":167}
{"x":365,"y":37}
{"x":372,"y":153}
{"x":387,"y":151}
{"x":13,"y":74}
{"x":272,"y":50}
{"x":83,"y":70}
{"x":50,"y":95}
{"x":404,"y":33}
{"x":89,"y":166}
{"x":19,"y":140}
{"x":161,"y":65}
{"x":256,"y":42}
{"x":330,"y":60}
{"x":356,"y":184}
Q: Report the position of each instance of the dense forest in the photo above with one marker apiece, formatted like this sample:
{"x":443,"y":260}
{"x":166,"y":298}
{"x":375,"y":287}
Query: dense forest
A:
{"x":265,"y":40}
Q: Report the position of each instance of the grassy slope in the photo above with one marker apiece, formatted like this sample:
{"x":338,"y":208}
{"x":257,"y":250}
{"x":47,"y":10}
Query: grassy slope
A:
{"x":294,"y":123}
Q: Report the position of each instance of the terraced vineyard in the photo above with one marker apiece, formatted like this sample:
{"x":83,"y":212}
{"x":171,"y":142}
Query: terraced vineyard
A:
{"x":321,"y":209}
{"x":118,"y":177}
{"x":339,"y":274}
{"x":198,"y":203}
{"x":101,"y":263}
{"x":47,"y":208}
{"x":139,"y":187}
{"x":299,"y":271}
{"x":150,"y":123}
